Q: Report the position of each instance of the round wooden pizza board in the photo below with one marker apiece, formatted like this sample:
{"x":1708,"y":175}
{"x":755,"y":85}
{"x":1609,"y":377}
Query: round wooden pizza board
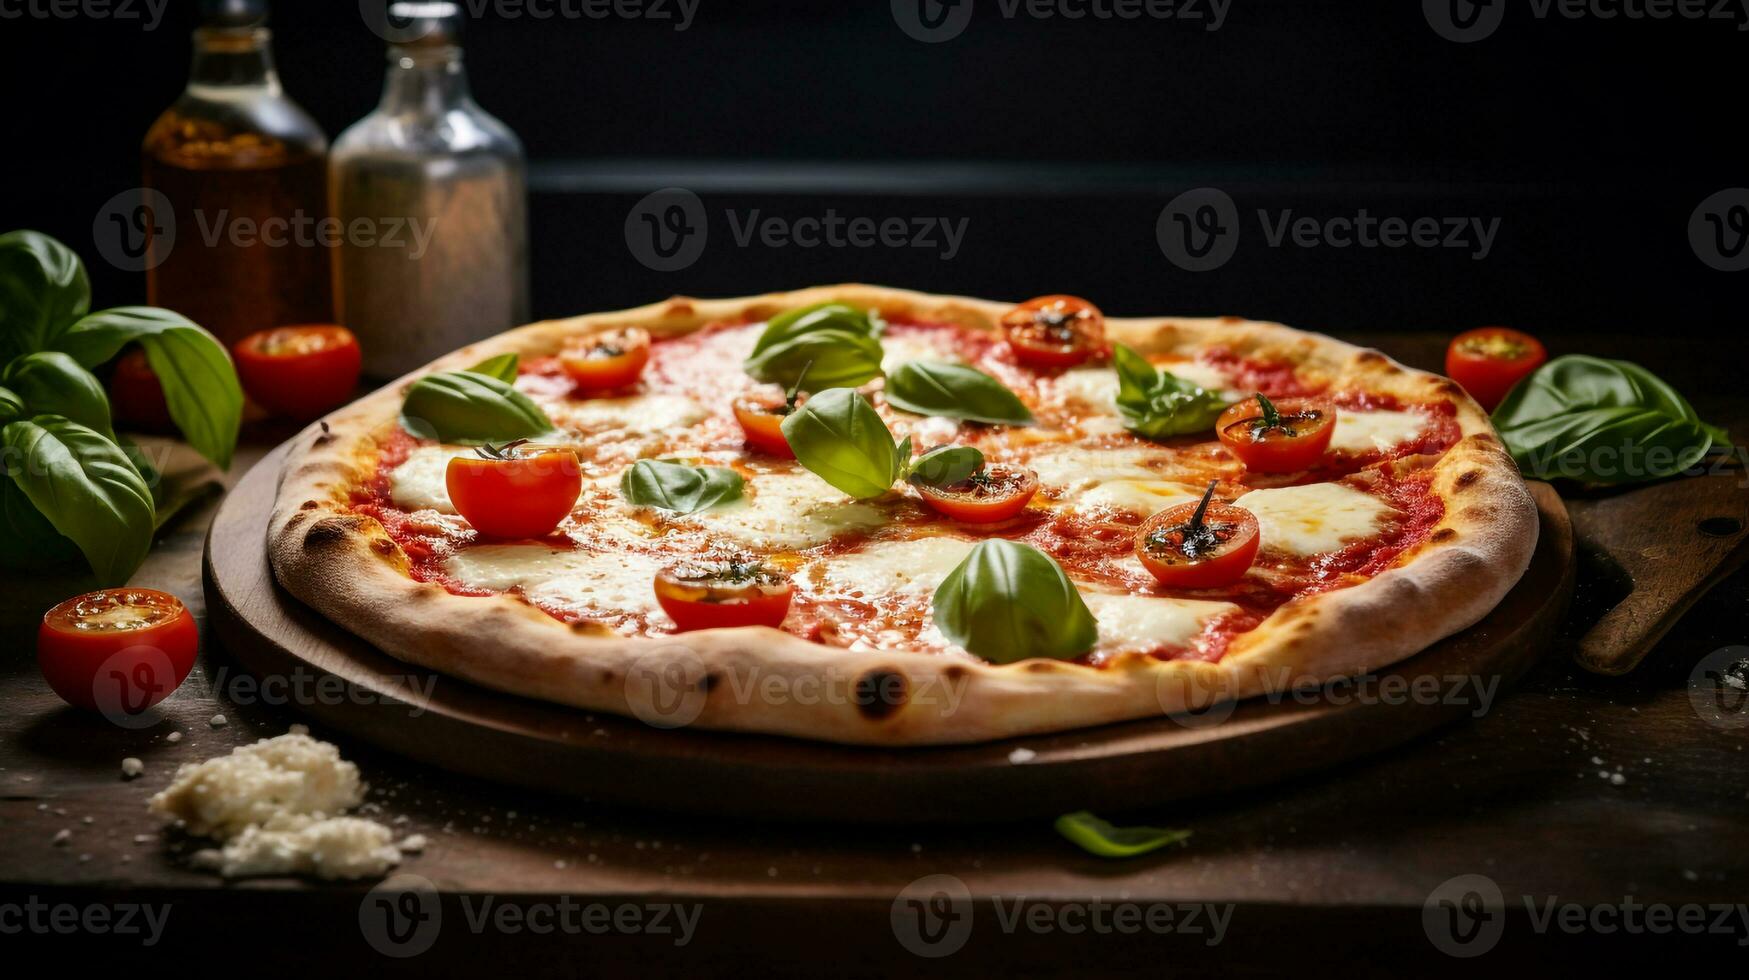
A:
{"x":354,"y":688}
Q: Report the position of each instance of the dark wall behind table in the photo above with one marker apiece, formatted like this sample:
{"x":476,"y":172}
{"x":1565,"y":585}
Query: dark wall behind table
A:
{"x":1055,"y":142}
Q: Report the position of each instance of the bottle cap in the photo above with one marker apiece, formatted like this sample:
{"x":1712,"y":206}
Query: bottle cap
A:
{"x":233,"y":14}
{"x":421,"y":23}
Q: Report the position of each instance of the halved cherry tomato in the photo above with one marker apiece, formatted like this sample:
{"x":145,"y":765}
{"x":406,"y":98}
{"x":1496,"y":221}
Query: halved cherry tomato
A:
{"x":1271,"y":437}
{"x":761,"y":415}
{"x":994,"y":493}
{"x":702,"y":596}
{"x":1204,"y":545}
{"x":1055,"y":331}
{"x":299,"y":372}
{"x":136,"y":397}
{"x":117,"y":650}
{"x":608,"y":360}
{"x":1488,"y":361}
{"x":509,"y":492}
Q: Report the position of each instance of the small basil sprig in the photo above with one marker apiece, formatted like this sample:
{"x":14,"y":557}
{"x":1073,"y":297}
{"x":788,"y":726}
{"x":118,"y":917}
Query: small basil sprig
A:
{"x":1009,"y":601}
{"x":503,"y":367}
{"x":472,"y":406}
{"x":839,"y":437}
{"x":1602,"y":422}
{"x":678,"y":487}
{"x":954,"y":391}
{"x":1156,"y":404}
{"x":83,"y":486}
{"x":834,"y":345}
{"x":1097,"y":837}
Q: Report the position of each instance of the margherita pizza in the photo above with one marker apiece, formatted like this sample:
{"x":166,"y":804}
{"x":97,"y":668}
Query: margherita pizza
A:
{"x":873,"y":516}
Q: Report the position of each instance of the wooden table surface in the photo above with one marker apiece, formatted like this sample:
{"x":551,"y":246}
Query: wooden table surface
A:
{"x":1608,"y":793}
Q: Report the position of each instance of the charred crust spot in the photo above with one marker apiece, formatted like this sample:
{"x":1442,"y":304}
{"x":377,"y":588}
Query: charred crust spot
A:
{"x":1446,"y":386}
{"x":1483,"y":438}
{"x":295,"y":520}
{"x":709,"y":682}
{"x":954,"y":672}
{"x":880,"y":693}
{"x":308,"y":505}
{"x":326,"y":437}
{"x":1478,"y":514}
{"x":1369,"y":357}
{"x":679,"y":307}
{"x":1040,"y":666}
{"x":1443,"y":535}
{"x":382,"y":546}
{"x":609,"y":676}
{"x":1468,"y":479}
{"x":328,"y":531}
{"x":1231,"y":320}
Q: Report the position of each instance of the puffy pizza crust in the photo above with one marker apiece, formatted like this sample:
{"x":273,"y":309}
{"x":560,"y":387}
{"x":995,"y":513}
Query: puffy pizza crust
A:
{"x":765,"y":680}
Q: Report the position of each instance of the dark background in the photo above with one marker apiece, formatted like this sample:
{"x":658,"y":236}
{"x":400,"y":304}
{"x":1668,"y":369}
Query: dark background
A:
{"x":1592,"y":141}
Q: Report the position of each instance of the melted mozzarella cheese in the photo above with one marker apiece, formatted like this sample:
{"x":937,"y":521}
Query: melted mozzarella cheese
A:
{"x":1142,"y":497}
{"x":586,"y":582}
{"x":914,"y":567}
{"x":790,"y":511}
{"x":1359,"y":432}
{"x":419,"y":483}
{"x":636,"y":415}
{"x":1074,"y":470}
{"x":1204,"y":375}
{"x":1311,"y":520}
{"x":898,"y":350}
{"x":1144,"y":623}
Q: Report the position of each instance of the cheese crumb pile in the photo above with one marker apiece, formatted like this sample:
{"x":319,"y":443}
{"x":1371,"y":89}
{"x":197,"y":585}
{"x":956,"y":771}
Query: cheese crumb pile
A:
{"x":275,"y":808}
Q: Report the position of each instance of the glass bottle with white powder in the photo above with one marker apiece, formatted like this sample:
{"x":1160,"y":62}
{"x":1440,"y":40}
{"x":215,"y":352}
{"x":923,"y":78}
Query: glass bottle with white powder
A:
{"x":431,"y":195}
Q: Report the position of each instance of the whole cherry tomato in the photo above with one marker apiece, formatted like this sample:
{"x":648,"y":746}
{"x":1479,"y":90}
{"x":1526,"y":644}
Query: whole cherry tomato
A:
{"x":1488,"y":361}
{"x":299,"y":372}
{"x":512,"y":492}
{"x":118,"y":651}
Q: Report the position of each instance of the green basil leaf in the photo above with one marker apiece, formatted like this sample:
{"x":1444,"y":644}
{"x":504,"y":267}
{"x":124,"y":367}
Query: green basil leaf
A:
{"x":678,"y":487}
{"x":502,"y":367}
{"x":839,"y":436}
{"x":818,"y":360}
{"x":200,"y":385}
{"x":52,"y":383}
{"x":84,"y":485}
{"x":11,"y":405}
{"x":821,"y":316}
{"x":1009,"y":601}
{"x":1095,"y":836}
{"x":954,"y":391}
{"x":945,"y":466}
{"x":1157,"y":404}
{"x":43,"y":289}
{"x":1603,"y":422}
{"x":462,"y":407}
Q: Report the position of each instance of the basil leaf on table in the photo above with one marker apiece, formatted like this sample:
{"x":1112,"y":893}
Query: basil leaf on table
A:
{"x":200,"y":385}
{"x":819,"y":359}
{"x":838,"y":436}
{"x":84,"y":486}
{"x":954,"y":391}
{"x":1156,"y":404}
{"x":462,"y":407}
{"x":1009,"y":601}
{"x":43,"y":289}
{"x":1603,"y":422}
{"x":502,"y":367}
{"x":1097,"y":837}
{"x":945,"y":466}
{"x":678,"y":487}
{"x":52,"y":383}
